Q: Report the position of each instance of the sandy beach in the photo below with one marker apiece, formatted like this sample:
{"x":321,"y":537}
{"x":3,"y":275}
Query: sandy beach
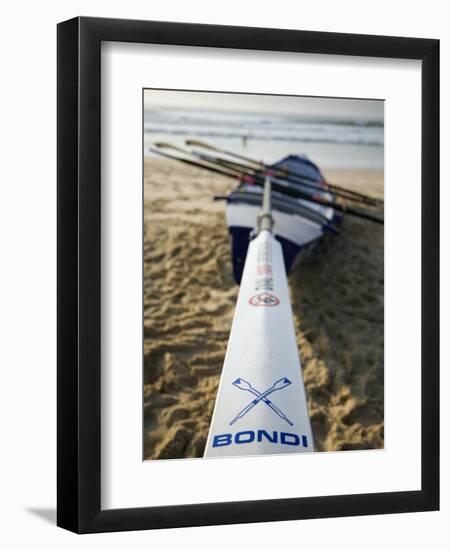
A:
{"x":337,"y":297}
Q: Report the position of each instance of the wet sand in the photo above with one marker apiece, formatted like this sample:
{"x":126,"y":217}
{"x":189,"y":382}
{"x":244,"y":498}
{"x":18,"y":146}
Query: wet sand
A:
{"x":189,"y":298}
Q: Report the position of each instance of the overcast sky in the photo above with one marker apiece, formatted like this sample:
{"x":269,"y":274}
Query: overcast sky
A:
{"x":308,"y":106}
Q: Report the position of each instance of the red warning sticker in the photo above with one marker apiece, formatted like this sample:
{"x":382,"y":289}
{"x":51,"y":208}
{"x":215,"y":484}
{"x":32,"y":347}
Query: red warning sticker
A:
{"x":264,"y":299}
{"x":263,"y":269}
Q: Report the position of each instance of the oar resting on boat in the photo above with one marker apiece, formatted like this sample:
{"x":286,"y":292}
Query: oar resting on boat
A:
{"x":261,"y":405}
{"x":281,"y":185}
{"x":300,"y":217}
{"x":283,"y":171}
{"x":308,"y":183}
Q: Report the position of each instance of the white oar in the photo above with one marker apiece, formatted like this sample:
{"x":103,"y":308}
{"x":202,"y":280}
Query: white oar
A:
{"x":261,"y":360}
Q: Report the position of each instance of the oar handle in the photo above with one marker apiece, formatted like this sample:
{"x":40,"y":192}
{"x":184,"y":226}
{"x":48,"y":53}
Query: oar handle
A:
{"x":194,"y":164}
{"x":206,"y":164}
{"x":198,"y":143}
{"x":163,"y":145}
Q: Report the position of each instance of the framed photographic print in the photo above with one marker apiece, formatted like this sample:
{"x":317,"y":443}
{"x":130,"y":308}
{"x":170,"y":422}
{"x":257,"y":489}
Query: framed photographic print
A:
{"x":248,"y":308}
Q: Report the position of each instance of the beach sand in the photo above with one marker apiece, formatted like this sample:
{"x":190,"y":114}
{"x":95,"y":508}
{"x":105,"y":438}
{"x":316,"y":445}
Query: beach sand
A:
{"x":337,"y":297}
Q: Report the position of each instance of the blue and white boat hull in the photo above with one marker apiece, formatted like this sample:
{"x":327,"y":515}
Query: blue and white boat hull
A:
{"x":295,"y":233}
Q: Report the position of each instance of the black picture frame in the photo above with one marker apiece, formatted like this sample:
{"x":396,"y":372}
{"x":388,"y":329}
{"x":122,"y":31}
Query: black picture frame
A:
{"x":79,"y":281}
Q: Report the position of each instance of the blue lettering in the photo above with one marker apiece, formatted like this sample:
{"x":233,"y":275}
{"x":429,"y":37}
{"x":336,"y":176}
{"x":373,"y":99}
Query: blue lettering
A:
{"x":244,"y":437}
{"x":249,"y":436}
{"x":222,"y":440}
{"x":289,"y":439}
{"x":273,"y":439}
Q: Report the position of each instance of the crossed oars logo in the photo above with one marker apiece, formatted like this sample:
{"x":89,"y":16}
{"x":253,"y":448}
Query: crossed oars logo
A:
{"x":246,"y":386}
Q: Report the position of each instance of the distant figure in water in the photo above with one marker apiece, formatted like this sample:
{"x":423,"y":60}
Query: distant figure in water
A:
{"x":245,"y":137}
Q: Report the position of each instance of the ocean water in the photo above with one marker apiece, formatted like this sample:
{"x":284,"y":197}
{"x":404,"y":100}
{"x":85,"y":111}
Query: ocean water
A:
{"x":330,"y":143}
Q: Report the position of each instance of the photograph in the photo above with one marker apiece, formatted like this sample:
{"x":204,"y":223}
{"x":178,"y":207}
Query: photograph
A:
{"x":263,"y":274}
{"x":231,"y":305}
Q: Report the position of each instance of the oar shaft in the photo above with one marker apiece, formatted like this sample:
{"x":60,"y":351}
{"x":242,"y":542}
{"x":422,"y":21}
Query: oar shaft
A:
{"x":210,"y":168}
{"x":344,"y":194}
{"x":265,"y":219}
{"x":287,"y":173}
{"x":286,"y":189}
{"x":204,"y":145}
